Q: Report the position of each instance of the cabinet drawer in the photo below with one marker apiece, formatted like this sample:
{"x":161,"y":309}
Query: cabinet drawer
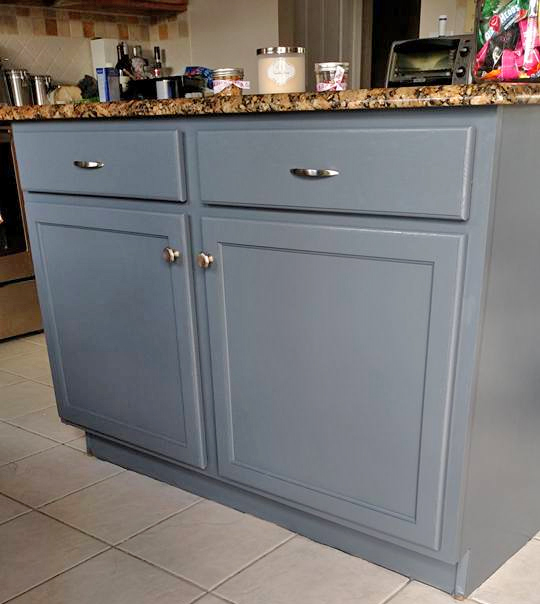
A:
{"x":397,"y":171}
{"x":141,"y":164}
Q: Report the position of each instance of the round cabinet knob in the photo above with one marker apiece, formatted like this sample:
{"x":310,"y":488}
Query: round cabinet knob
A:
{"x":170,"y":255}
{"x":464,"y":51}
{"x":205,"y":260}
{"x":460,"y":72}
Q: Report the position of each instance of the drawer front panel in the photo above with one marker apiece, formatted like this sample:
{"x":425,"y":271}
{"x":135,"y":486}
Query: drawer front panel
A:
{"x":397,"y":171}
{"x":147,"y":165}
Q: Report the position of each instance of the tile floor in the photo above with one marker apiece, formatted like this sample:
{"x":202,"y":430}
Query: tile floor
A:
{"x":76,"y":529}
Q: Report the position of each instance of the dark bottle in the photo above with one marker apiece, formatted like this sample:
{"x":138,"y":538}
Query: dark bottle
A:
{"x":124,"y":68}
{"x":157,"y":67}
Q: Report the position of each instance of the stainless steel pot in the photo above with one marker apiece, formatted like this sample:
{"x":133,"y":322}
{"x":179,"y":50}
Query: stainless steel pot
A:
{"x":41,"y":85}
{"x":18,"y":84}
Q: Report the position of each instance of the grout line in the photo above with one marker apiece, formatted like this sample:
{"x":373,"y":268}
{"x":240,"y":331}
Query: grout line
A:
{"x":41,"y":505}
{"x":6,"y":419}
{"x":258,"y":559}
{"x":200,"y":597}
{"x":16,"y":461}
{"x":220,"y":597}
{"x":397,"y":591}
{"x":41,"y":510}
{"x":166,"y":570}
{"x":37,"y":381}
{"x":9,"y":422}
{"x":161,"y":521}
{"x":37,"y":508}
{"x":62,"y":572}
{"x":2,"y":522}
{"x":20,"y":503}
{"x":79,"y":530}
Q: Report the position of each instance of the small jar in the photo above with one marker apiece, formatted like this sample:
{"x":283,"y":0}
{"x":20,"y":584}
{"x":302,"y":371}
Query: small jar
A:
{"x":332,"y":75}
{"x":227,"y":81}
{"x":282,"y":69}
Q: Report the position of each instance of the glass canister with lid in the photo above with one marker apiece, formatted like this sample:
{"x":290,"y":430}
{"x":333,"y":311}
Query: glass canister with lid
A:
{"x":229,"y":81}
{"x":332,"y":75}
{"x":282,"y":69}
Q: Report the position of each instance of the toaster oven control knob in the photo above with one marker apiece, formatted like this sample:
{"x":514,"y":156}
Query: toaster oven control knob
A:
{"x":460,"y":72}
{"x":464,"y":51}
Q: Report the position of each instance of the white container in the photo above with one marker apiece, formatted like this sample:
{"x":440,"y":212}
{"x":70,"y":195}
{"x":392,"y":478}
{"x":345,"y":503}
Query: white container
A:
{"x":281,"y":69}
{"x":103,"y":52}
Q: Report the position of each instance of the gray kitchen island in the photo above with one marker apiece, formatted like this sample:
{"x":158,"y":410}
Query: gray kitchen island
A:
{"x":320,"y":309}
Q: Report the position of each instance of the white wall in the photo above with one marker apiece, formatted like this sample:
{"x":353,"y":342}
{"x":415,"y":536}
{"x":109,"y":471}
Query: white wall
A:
{"x":227,"y":33}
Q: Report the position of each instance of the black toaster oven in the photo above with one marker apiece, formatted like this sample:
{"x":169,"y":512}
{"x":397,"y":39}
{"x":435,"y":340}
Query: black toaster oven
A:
{"x":431,"y":61}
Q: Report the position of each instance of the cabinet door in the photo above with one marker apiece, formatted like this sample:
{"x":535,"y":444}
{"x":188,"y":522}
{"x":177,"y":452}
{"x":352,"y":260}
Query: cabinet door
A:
{"x":120,"y":323}
{"x":332,"y":352}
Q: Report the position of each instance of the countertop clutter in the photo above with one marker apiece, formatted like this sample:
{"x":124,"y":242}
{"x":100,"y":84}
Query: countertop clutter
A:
{"x":347,"y":100}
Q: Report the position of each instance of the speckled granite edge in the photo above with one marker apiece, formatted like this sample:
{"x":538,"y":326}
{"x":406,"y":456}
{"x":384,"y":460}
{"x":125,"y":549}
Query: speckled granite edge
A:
{"x":349,"y":100}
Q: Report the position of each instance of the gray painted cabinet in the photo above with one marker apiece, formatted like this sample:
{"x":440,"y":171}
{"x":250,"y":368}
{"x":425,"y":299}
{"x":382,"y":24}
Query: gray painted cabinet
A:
{"x":121,"y":323}
{"x":331,"y":348}
{"x":359,"y":363}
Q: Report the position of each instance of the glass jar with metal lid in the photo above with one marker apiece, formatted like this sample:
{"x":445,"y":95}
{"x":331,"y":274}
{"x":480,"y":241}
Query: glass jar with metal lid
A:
{"x":332,"y":75}
{"x":228,"y":81}
{"x":282,"y":69}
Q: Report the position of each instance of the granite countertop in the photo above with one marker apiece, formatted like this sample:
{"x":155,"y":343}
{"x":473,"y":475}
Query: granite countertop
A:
{"x":349,"y":100}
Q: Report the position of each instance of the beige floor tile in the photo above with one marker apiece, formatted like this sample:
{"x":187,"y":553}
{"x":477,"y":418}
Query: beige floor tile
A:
{"x":79,"y":444}
{"x":207,"y":543}
{"x":30,"y":366}
{"x":112,"y":578}
{"x":47,"y":423}
{"x":52,"y":474}
{"x":516,"y":582}
{"x":121,"y":506}
{"x":38,"y":339}
{"x":34,"y":548}
{"x":24,"y":397}
{"x":45,"y":379}
{"x":210,"y":599}
{"x":16,"y":443}
{"x":10,"y":509}
{"x":418,"y":593}
{"x":304,"y":571}
{"x":13,"y":348}
{"x":9,"y":378}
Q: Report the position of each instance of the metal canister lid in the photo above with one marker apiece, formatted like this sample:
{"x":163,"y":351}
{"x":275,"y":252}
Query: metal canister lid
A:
{"x":330,"y":65}
{"x":281,"y":50}
{"x":17,"y":74}
{"x":228,"y":72}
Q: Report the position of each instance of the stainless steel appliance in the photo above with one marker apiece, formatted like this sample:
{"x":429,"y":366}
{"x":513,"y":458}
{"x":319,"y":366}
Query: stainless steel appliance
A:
{"x":431,"y":61}
{"x":41,"y":85}
{"x":19,"y":309}
{"x":18,"y":83}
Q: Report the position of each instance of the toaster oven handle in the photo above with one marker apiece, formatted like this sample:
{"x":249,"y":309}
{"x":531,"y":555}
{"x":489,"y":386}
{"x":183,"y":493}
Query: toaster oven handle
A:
{"x":311,"y":173}
{"x":88,"y":165}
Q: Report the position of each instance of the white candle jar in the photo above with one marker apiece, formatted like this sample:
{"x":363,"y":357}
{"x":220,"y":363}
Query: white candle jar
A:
{"x":281,"y":69}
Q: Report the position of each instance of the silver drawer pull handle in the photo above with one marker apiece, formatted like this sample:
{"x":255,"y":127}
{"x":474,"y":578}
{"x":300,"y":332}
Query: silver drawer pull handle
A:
{"x":89,"y":165}
{"x":311,"y":173}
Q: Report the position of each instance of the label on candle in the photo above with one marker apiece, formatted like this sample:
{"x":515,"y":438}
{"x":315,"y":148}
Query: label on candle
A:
{"x":280,"y":71}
